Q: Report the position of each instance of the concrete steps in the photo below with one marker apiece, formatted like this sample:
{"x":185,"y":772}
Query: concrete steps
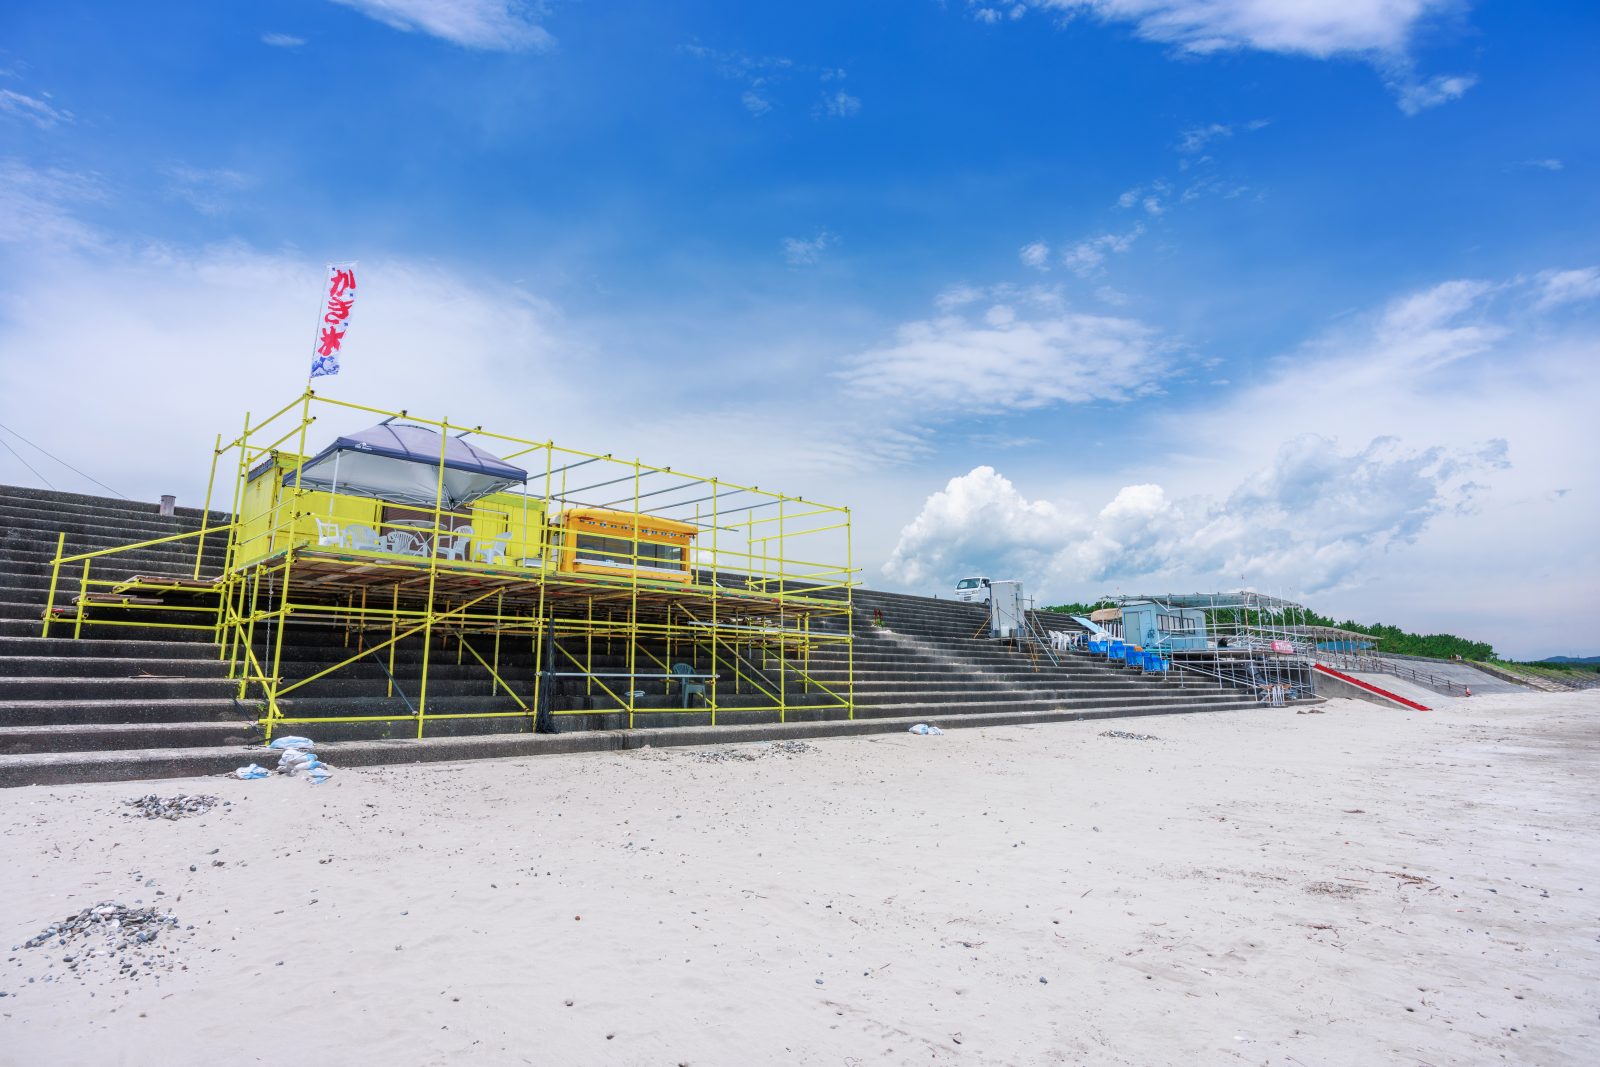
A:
{"x":120,"y":689}
{"x":139,"y":701}
{"x":67,"y":767}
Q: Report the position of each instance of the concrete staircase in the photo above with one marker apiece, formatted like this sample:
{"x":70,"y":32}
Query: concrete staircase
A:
{"x":136,"y":701}
{"x":119,"y":689}
{"x":929,"y":662}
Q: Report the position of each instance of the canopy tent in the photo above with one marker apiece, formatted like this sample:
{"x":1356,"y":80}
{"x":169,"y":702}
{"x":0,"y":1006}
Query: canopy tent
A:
{"x":400,"y":462}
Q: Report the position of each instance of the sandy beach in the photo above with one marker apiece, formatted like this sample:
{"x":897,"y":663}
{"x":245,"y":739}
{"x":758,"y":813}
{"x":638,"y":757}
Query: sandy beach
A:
{"x":1355,"y":886}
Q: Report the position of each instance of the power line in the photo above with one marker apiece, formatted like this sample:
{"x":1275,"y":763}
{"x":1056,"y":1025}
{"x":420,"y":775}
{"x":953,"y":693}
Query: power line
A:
{"x":58,"y":459}
{"x":24,"y":462}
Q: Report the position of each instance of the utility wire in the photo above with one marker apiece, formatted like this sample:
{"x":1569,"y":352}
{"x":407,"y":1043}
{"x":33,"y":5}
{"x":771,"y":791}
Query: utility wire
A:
{"x":24,"y":462}
{"x":58,"y":459}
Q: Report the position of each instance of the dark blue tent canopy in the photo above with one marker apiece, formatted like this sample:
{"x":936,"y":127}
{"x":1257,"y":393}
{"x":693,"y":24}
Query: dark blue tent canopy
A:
{"x":401,"y":462}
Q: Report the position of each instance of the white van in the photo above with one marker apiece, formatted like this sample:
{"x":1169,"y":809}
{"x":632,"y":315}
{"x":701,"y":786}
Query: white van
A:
{"x":973,"y":590}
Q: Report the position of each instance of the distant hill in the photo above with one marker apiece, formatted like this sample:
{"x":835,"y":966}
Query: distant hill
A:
{"x":1579,"y":661}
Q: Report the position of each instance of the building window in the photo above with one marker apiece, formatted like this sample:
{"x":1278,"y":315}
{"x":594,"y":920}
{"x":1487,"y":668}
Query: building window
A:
{"x":619,"y":552}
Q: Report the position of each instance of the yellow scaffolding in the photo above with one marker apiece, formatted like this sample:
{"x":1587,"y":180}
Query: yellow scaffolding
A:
{"x":629,"y":586}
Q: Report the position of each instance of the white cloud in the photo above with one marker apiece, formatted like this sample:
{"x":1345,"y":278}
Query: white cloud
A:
{"x":1319,"y":28}
{"x":39,"y":206}
{"x":1378,"y":31}
{"x":113,"y":328}
{"x":282,"y":40}
{"x":490,"y":25}
{"x":1417,"y":96}
{"x":1087,"y":257}
{"x":1447,"y":368}
{"x":982,"y":12}
{"x":1368,"y":469}
{"x":1026,"y":350}
{"x":840,"y":105}
{"x":1035,"y":255}
{"x":959,"y":296}
{"x":803,"y":252}
{"x":1559,"y":287}
{"x":978,"y":520}
{"x":40,"y":113}
{"x":1197,"y":137}
{"x":762,"y":75}
{"x":1543,"y":164}
{"x":207,"y":191}
{"x":214,"y":330}
{"x":1314,"y":517}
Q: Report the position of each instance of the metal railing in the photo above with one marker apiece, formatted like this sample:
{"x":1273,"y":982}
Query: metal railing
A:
{"x":1444,"y":686}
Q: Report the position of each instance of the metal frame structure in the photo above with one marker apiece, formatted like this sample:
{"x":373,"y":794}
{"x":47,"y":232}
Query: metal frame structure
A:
{"x":765,"y":587}
{"x":1244,"y":638}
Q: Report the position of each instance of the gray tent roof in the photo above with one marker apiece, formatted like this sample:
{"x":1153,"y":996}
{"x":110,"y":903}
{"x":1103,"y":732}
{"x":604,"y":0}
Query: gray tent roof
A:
{"x":401,"y":462}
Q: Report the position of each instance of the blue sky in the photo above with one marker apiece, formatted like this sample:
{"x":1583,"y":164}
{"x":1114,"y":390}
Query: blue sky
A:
{"x":1109,"y":295}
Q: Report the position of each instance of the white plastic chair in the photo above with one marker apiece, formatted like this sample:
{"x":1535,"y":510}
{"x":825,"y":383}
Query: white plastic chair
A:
{"x":403,"y":543}
{"x":493,"y":550}
{"x":456,"y":547}
{"x":328,"y":533}
{"x":363,"y":539}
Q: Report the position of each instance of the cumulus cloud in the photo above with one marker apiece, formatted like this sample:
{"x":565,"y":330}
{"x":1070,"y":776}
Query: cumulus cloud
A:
{"x":1022,"y":351}
{"x":282,"y":40}
{"x":978,"y":520}
{"x":38,"y":112}
{"x":755,"y":103}
{"x":1313,"y":518}
{"x":1368,"y":468}
{"x":488,"y":25}
{"x":1035,"y":255}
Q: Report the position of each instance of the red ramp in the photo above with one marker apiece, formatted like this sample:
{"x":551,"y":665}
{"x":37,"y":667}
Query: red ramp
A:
{"x":1369,"y":687}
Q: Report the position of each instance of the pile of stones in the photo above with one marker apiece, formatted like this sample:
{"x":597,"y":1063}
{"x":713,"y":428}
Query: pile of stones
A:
{"x":752,"y":752}
{"x":110,"y":931}
{"x":178,"y":807}
{"x":1126,"y":736}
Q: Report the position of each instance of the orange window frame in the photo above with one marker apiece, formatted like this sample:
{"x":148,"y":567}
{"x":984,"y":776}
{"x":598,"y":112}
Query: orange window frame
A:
{"x":633,"y":530}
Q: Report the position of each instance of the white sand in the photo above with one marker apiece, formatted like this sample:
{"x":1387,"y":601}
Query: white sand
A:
{"x":1357,"y":887}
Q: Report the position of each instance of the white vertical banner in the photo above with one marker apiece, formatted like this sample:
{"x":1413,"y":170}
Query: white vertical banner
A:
{"x":338,"y":297}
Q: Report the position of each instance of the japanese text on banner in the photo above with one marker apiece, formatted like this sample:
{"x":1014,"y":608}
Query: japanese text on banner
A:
{"x":339,"y":296}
